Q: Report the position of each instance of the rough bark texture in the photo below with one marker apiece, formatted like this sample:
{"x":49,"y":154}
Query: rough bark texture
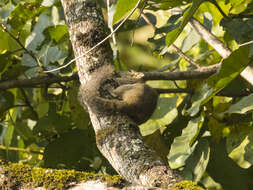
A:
{"x":118,"y":137}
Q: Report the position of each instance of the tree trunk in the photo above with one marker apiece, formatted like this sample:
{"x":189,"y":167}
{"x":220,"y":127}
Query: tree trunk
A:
{"x":117,"y":134}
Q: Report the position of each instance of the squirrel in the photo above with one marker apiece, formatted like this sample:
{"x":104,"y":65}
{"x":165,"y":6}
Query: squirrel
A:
{"x":136,"y":100}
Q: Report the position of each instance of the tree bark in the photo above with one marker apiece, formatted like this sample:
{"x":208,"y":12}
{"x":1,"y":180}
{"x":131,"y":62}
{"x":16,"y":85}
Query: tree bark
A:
{"x":118,"y":136}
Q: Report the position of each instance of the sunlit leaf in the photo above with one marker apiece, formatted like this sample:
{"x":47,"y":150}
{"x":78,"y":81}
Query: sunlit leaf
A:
{"x":172,"y":36}
{"x":242,"y":106}
{"x":192,"y":38}
{"x":164,"y":114}
{"x":238,"y":146}
{"x":12,"y":116}
{"x":230,"y":69}
{"x":184,"y":145}
{"x":123,"y":8}
{"x":58,"y":32}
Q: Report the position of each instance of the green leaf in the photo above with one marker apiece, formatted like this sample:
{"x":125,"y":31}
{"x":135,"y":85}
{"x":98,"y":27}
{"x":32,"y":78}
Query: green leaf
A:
{"x":78,"y":114}
{"x":201,"y":94}
{"x":248,"y":156}
{"x":70,"y":149}
{"x":22,"y":13}
{"x":123,"y":8}
{"x":27,"y":113}
{"x":230,"y":69}
{"x":25,"y":133}
{"x":42,"y":109}
{"x":7,"y":43}
{"x":28,"y":60}
{"x":51,"y":55}
{"x":245,"y":33}
{"x":172,"y":36}
{"x":165,"y":113}
{"x":4,"y":62}
{"x":51,"y":125}
{"x":239,"y":146}
{"x":58,"y":32}
{"x":183,"y":146}
{"x":37,"y":36}
{"x":242,"y":106}
{"x":10,"y":127}
{"x":6,"y":101}
{"x":192,"y":39}
{"x":196,"y":164}
{"x":8,"y":135}
{"x":166,"y":4}
{"x":239,"y":6}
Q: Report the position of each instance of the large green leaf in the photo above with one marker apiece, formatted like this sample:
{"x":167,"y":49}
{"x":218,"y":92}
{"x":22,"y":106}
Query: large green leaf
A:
{"x":196,"y":164}
{"x":172,"y":36}
{"x":51,"y":125}
{"x":239,"y":6}
{"x":242,"y":106}
{"x":50,"y":54}
{"x":164,"y":114}
{"x":123,"y":8}
{"x":239,"y":144}
{"x":37,"y":36}
{"x":73,"y":149}
{"x":184,"y":145}
{"x":248,"y":156}
{"x":245,"y":33}
{"x":230,"y":69}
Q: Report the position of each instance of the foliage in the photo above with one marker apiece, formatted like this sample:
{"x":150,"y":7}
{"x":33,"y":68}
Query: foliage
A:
{"x":45,"y":125}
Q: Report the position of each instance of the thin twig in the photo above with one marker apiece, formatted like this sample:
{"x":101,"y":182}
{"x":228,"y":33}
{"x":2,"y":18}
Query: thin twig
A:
{"x":99,"y":43}
{"x":23,"y":83}
{"x":211,"y":39}
{"x":246,"y":43}
{"x":221,"y":48}
{"x":185,"y":57}
{"x":21,"y":45}
{"x":20,"y":149}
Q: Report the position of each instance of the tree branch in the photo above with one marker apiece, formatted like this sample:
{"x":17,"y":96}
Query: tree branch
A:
{"x":35,"y":82}
{"x":47,"y":80}
{"x":221,"y":48}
